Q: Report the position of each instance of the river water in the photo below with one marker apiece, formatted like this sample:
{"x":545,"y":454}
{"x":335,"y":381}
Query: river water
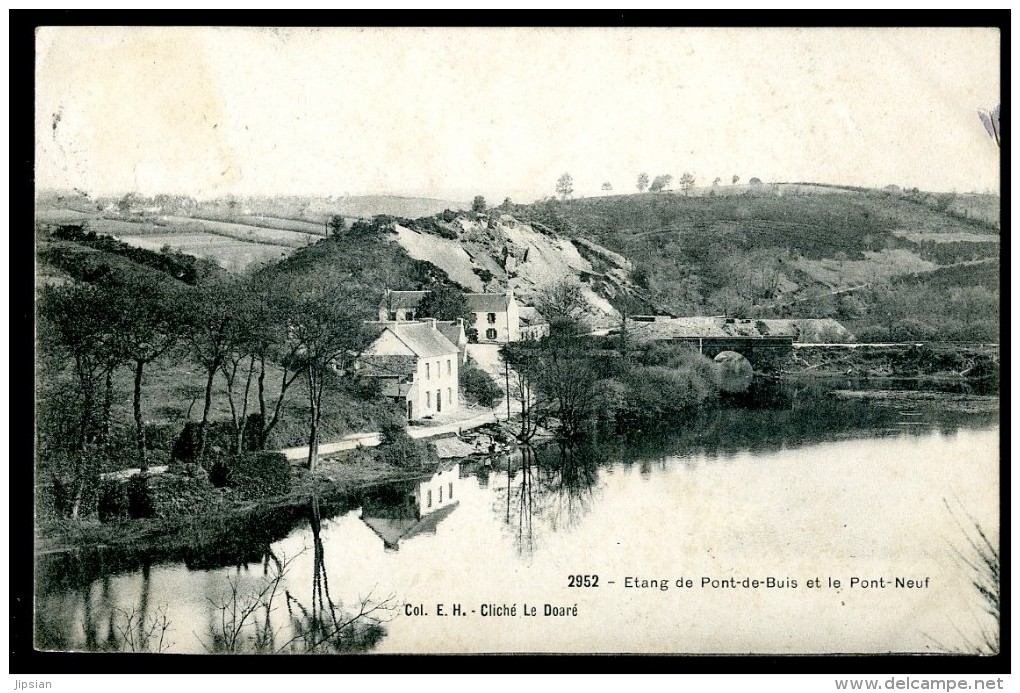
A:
{"x":796,"y":490}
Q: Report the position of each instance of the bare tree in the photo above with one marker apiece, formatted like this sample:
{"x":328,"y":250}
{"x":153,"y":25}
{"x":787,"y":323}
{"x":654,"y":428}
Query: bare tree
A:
{"x":642,"y":181}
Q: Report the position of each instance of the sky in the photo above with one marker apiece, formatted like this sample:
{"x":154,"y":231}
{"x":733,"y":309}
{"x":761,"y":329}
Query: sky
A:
{"x":451,"y":112}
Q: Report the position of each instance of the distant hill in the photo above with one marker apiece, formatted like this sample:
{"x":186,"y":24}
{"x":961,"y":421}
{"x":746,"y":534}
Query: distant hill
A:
{"x":413,"y":207}
{"x":887,"y":263}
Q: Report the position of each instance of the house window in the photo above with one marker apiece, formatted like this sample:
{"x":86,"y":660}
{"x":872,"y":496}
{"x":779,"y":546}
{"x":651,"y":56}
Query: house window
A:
{"x":492,"y":318}
{"x":490,"y":334}
{"x":428,"y":370}
{"x":449,"y":367}
{"x":408,"y":315}
{"x":449,"y":395}
{"x":440,"y":494}
{"x":428,"y":399}
{"x":439,"y":400}
{"x":429,"y":505}
{"x":451,"y":491}
{"x":393,"y":315}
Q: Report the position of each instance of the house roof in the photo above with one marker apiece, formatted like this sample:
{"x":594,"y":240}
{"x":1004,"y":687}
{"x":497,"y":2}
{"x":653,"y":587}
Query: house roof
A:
{"x":698,"y":326}
{"x":419,"y":337}
{"x":487,"y":303}
{"x":393,"y":530}
{"x":393,"y":300}
{"x":452,"y":330}
{"x":531,"y":316}
{"x":395,"y":389}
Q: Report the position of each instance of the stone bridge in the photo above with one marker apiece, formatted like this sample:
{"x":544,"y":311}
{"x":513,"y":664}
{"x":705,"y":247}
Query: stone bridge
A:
{"x":765,"y":354}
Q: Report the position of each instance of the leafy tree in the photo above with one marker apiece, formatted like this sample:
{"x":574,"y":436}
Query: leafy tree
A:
{"x":81,"y":320}
{"x":269,"y":343}
{"x":642,"y":181}
{"x":478,"y":204}
{"x":607,"y":186}
{"x":716,"y":182}
{"x":329,"y":334}
{"x":660,"y":182}
{"x":736,"y":179}
{"x":687,"y":182}
{"x":215,"y":329}
{"x":565,"y":186}
{"x":150,"y":325}
{"x":336,"y":226}
{"x":446,"y":303}
{"x":755,"y":182}
{"x":125,"y":203}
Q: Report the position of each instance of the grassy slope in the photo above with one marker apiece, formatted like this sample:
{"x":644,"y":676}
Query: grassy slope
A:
{"x":686,"y":249}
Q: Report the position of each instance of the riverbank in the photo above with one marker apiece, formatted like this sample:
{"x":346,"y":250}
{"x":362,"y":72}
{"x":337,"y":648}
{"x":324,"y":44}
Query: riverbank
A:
{"x":946,"y":361}
{"x":179,"y":535}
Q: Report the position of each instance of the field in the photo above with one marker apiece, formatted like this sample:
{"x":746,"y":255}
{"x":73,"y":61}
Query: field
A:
{"x":230,"y":254}
{"x":233,"y":246}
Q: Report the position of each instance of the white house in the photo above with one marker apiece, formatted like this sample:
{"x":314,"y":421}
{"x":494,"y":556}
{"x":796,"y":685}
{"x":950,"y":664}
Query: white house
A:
{"x":497,"y":316}
{"x":400,"y":305}
{"x":419,"y":366}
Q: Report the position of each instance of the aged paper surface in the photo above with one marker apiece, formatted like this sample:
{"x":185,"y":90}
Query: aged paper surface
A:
{"x":755,"y":533}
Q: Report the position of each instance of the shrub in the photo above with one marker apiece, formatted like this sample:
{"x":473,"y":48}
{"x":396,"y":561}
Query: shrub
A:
{"x":219,"y":441}
{"x":253,"y":475}
{"x":478,"y":385}
{"x":114,"y":500}
{"x":169,"y":495}
{"x":140,"y":503}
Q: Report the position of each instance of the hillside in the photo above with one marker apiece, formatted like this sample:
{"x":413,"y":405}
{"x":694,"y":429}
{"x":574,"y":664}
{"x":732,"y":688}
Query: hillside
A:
{"x":913,"y":264}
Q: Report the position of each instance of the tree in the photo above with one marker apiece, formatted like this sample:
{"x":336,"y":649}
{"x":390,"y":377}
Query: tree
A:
{"x":628,"y":305}
{"x":478,"y":204}
{"x":563,"y":304}
{"x":642,"y":181}
{"x":565,"y":186}
{"x":336,"y":226}
{"x":607,"y":186}
{"x":77,"y":321}
{"x":329,"y":333}
{"x":687,"y":182}
{"x":214,"y":331}
{"x":736,"y":179}
{"x":445,"y":303}
{"x":755,"y":182}
{"x":270,"y":306}
{"x":80,"y":319}
{"x":150,"y":325}
{"x":716,"y":182}
{"x":660,"y":182}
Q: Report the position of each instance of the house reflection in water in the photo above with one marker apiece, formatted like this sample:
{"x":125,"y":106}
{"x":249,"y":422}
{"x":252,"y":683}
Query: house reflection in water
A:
{"x":397,"y":512}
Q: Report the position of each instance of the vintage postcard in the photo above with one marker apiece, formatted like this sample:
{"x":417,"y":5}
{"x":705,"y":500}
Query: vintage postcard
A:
{"x":517,"y":340}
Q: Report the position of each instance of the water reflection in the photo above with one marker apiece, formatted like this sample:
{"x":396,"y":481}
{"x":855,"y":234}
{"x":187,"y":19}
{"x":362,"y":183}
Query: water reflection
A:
{"x":247,"y":586}
{"x":554,"y":485}
{"x":397,"y":512}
